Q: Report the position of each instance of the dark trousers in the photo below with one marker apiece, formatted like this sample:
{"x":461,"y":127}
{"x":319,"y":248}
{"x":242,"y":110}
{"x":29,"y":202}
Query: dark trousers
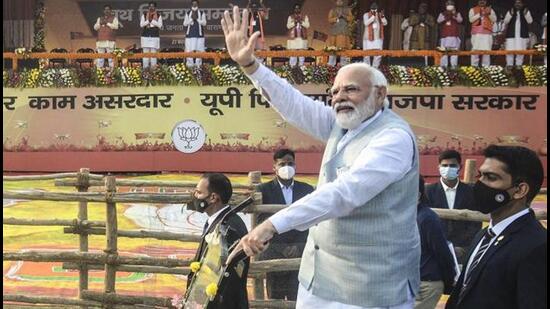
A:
{"x":281,"y":285}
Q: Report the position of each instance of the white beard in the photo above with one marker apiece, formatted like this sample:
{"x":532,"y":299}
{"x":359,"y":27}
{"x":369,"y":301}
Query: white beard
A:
{"x":353,"y":119}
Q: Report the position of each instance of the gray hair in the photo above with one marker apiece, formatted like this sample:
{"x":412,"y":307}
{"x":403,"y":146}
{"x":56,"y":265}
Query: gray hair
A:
{"x":376,"y":77}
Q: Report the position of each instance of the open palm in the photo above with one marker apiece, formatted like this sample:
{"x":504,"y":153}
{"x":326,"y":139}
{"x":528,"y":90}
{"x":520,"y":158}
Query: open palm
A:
{"x":239,"y":45}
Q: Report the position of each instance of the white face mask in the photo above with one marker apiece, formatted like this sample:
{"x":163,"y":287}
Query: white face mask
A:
{"x":450,"y":7}
{"x":352,"y":119}
{"x":286,"y":172}
{"x":450,"y":173}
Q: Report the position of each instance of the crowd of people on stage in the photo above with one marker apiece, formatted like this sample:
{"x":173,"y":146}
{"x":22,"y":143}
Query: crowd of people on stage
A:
{"x":421,"y":30}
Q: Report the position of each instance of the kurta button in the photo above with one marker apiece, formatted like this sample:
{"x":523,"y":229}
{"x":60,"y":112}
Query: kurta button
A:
{"x":316,"y":247}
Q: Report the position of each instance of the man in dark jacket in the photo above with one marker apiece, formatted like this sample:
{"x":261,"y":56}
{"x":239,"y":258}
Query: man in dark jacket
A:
{"x":283,"y":189}
{"x":437,"y":266}
{"x":211,"y":196}
{"x":450,"y":193}
{"x":506,"y":268}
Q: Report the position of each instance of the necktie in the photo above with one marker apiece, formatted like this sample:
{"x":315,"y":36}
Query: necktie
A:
{"x":489,"y":234}
{"x":205,"y":228}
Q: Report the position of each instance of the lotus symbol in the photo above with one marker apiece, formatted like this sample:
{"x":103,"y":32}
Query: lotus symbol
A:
{"x":188,"y":134}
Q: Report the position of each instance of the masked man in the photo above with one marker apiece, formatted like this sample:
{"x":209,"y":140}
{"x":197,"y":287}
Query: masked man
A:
{"x":211,"y":197}
{"x":450,"y":21}
{"x":450,"y":193}
{"x":506,"y":267}
{"x":284,"y":190}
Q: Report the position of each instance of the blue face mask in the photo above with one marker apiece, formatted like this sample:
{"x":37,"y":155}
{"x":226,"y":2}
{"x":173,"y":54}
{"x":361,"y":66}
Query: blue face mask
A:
{"x":449,"y":173}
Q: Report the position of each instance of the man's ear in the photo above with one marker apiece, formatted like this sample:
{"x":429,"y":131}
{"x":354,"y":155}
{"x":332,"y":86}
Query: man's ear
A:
{"x":522,"y":191}
{"x":381,"y":94}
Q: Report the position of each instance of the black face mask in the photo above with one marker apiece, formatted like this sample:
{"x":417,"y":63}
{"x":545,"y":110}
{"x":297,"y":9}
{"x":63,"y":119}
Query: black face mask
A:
{"x":489,"y":199}
{"x":198,"y":204}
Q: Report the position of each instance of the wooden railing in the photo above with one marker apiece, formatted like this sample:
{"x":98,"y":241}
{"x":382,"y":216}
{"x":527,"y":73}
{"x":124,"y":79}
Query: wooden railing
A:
{"x":111,"y":262}
{"x":321,"y":55}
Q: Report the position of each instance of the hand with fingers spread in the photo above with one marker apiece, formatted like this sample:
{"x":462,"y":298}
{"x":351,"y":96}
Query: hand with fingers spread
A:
{"x":256,"y":241}
{"x":239,"y":45}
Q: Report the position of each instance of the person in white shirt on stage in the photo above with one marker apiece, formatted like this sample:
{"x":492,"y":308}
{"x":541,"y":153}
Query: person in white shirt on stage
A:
{"x":194,"y":23}
{"x":297,"y":25}
{"x":517,"y":22}
{"x":373,"y":38}
{"x":151,"y":22}
{"x":482,"y":18}
{"x":363,"y":247}
{"x":450,"y":21}
{"x":105,"y":27}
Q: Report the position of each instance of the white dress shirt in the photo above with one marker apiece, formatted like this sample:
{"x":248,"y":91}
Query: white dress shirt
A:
{"x":386,"y":159}
{"x":497,"y":229}
{"x":215,"y":215}
{"x":287,"y":192}
{"x":450,"y":193}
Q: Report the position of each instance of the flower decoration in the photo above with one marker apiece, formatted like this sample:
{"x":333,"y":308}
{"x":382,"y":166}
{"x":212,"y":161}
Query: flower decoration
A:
{"x":195,"y":266}
{"x":211,"y":290}
{"x":182,"y":74}
{"x":473,"y":76}
{"x":496,"y":76}
{"x":438,"y":76}
{"x":120,"y":53}
{"x":23,"y":51}
{"x":130,"y":76}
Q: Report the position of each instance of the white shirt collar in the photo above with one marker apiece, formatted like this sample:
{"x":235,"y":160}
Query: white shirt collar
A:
{"x":285,"y":187}
{"x":502,"y":225}
{"x":445,"y":187}
{"x":215,"y":215}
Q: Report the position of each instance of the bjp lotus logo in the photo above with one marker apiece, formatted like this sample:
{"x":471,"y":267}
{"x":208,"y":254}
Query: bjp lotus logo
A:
{"x":188,"y":136}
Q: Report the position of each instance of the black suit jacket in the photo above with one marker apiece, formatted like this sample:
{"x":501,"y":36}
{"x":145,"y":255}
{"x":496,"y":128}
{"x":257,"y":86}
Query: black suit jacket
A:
{"x":512,"y":274}
{"x":272,"y":194}
{"x":234,"y":296}
{"x":460,"y":233}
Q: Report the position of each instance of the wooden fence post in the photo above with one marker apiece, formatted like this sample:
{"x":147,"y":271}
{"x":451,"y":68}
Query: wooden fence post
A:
{"x":111,"y":235}
{"x":255,"y":177}
{"x":83,"y":183}
{"x":470,"y":171}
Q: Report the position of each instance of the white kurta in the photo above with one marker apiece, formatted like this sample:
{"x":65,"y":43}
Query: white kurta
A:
{"x":150,"y":42}
{"x":482,"y":41}
{"x":297,"y":43}
{"x":378,"y":42}
{"x":106,"y":44}
{"x":517,"y":42}
{"x":392,"y":148}
{"x":450,"y":41}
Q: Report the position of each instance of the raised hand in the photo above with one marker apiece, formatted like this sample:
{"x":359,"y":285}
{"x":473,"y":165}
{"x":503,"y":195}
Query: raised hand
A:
{"x":239,"y":45}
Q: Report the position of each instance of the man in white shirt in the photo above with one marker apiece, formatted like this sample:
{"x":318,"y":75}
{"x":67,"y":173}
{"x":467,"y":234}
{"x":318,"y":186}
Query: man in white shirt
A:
{"x":363,"y":247}
{"x":105,"y":27}
{"x":211,"y":196}
{"x":285,"y":190}
{"x":373,"y":37}
{"x":151,"y":22}
{"x":507,"y":267}
{"x":194,"y":23}
{"x":517,"y":22}
{"x":450,"y":193}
